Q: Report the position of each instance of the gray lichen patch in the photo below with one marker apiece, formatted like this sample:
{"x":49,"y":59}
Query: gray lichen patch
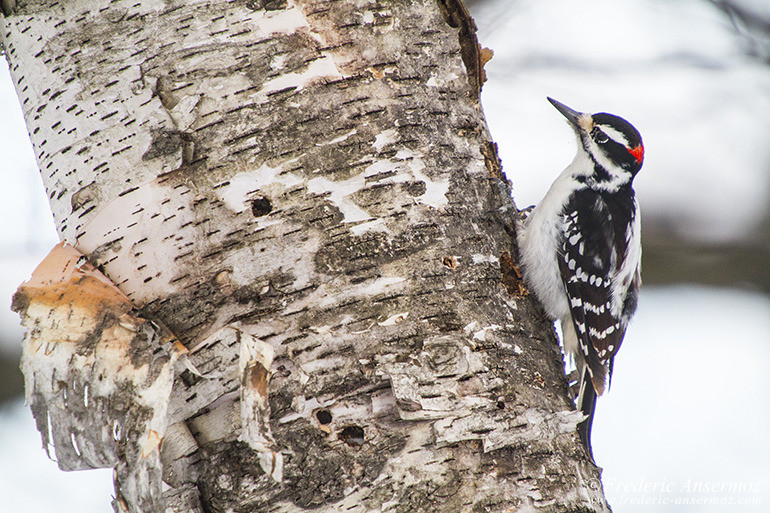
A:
{"x":165,"y":142}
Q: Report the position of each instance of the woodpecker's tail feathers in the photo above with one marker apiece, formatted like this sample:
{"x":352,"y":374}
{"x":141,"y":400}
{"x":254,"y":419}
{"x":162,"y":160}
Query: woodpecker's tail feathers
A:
{"x":587,"y":404}
{"x":597,"y":370}
{"x":609,"y":374}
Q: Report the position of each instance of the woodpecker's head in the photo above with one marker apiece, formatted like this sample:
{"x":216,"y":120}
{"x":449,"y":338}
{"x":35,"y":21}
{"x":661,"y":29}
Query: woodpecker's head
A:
{"x":610,"y":141}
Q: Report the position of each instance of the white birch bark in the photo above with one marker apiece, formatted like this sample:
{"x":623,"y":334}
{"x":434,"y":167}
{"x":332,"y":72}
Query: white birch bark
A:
{"x":314,"y":304}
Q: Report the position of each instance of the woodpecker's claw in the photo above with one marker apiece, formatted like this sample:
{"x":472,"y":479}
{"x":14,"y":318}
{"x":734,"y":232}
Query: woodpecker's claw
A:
{"x":524,"y":213}
{"x":573,"y":382}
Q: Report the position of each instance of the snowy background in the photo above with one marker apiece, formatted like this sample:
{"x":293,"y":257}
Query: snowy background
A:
{"x":686,"y":425}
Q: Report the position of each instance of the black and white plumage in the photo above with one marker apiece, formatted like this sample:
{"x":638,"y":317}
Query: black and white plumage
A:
{"x":580,"y":249}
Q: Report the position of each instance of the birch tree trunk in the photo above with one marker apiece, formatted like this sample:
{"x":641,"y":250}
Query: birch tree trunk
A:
{"x":298,"y":289}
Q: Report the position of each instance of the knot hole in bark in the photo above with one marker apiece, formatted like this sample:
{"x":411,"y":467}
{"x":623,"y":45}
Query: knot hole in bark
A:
{"x":261,"y":206}
{"x":449,"y":262}
{"x":352,"y":435}
{"x":324,"y":417}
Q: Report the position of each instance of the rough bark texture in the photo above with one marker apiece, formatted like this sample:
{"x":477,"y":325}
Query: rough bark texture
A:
{"x":306,"y":195}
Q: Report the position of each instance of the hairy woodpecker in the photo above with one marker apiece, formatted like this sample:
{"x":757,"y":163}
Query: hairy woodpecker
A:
{"x":580,"y":249}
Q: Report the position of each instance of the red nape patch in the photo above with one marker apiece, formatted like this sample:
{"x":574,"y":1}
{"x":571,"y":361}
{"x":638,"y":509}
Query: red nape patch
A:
{"x":637,"y":152}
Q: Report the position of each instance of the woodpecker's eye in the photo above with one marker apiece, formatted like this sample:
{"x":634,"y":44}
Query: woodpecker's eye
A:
{"x":601,"y":137}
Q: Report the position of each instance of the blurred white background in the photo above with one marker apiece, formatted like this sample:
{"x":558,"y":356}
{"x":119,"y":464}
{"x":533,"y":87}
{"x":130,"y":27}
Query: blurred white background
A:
{"x":685,"y":425}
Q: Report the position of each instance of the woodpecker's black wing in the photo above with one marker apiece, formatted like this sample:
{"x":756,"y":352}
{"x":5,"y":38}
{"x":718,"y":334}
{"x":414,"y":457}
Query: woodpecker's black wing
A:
{"x":593,"y":248}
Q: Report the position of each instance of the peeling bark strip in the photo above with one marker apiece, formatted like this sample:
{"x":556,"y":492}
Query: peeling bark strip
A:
{"x":96,"y":374}
{"x":474,"y":56}
{"x":306,"y":194}
{"x":256,"y":357}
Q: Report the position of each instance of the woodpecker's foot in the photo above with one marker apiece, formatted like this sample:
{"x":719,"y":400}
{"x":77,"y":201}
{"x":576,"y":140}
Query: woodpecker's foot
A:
{"x":524,"y":213}
{"x":573,"y":381}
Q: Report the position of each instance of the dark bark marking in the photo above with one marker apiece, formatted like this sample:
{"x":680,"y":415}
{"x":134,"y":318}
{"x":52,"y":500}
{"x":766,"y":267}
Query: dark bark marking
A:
{"x":267,"y":5}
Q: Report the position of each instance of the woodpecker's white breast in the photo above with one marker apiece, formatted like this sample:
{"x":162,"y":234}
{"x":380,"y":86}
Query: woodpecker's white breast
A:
{"x":539,"y":238}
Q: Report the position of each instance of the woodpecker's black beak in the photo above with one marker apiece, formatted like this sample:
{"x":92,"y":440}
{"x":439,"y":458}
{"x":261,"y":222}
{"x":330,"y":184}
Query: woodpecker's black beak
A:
{"x":572,"y":116}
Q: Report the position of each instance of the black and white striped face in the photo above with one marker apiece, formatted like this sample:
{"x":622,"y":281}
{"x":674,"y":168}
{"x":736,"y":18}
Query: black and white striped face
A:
{"x":618,"y":140}
{"x":609,"y":139}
